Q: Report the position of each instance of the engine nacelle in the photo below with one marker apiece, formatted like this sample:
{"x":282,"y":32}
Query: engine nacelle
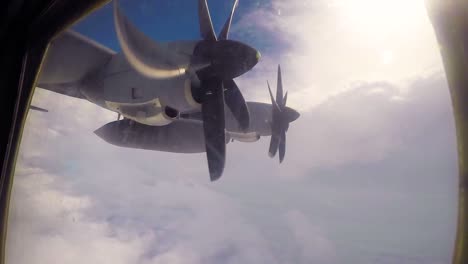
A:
{"x":150,"y":113}
{"x":183,"y":94}
{"x":120,"y":84}
{"x":178,"y":137}
{"x":244,"y":137}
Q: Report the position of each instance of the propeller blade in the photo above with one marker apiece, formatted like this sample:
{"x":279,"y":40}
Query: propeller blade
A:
{"x":275,"y":129}
{"x":204,"y":19}
{"x":285,"y":99}
{"x":145,"y":55}
{"x":274,"y":142}
{"x":32,"y":107}
{"x":279,"y":88}
{"x":214,"y":125}
{"x":225,"y":31}
{"x":282,"y":146}
{"x":273,"y":102}
{"x":236,"y":103}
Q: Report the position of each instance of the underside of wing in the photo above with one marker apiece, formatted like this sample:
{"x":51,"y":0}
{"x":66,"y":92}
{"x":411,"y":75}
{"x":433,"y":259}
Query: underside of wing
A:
{"x":70,"y":57}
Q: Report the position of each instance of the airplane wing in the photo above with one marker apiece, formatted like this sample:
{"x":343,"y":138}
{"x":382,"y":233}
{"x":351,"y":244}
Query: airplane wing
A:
{"x":70,"y":57}
{"x":32,"y":107}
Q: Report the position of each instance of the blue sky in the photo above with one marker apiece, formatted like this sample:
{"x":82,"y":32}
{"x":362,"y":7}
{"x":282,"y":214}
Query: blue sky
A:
{"x":370,"y":173}
{"x":171,"y":20}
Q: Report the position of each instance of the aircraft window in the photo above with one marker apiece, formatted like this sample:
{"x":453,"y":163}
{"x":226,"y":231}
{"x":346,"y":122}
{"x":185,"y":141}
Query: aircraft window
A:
{"x":272,"y":132}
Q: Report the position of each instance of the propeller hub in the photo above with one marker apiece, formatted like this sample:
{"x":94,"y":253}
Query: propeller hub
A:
{"x":290,"y":114}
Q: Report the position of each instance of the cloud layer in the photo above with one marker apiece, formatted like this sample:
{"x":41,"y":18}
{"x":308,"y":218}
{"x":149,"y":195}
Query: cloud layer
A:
{"x":362,"y":160}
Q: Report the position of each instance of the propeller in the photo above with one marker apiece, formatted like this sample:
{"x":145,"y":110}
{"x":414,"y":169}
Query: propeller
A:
{"x":280,"y":119}
{"x":218,"y":87}
{"x":215,"y":60}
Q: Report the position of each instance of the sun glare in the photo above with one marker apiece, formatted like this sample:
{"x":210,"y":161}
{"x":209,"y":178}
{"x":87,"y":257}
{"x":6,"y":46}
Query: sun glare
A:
{"x":383,"y":31}
{"x":373,"y":16}
{"x":386,"y":57}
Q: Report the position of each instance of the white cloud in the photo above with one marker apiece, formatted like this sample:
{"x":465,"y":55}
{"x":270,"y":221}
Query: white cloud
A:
{"x":48,"y":225}
{"x":313,"y":244}
{"x":325,"y":45}
{"x":171,"y":221}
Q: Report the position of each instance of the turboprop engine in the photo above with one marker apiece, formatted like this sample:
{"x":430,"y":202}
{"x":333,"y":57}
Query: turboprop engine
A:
{"x":215,"y":61}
